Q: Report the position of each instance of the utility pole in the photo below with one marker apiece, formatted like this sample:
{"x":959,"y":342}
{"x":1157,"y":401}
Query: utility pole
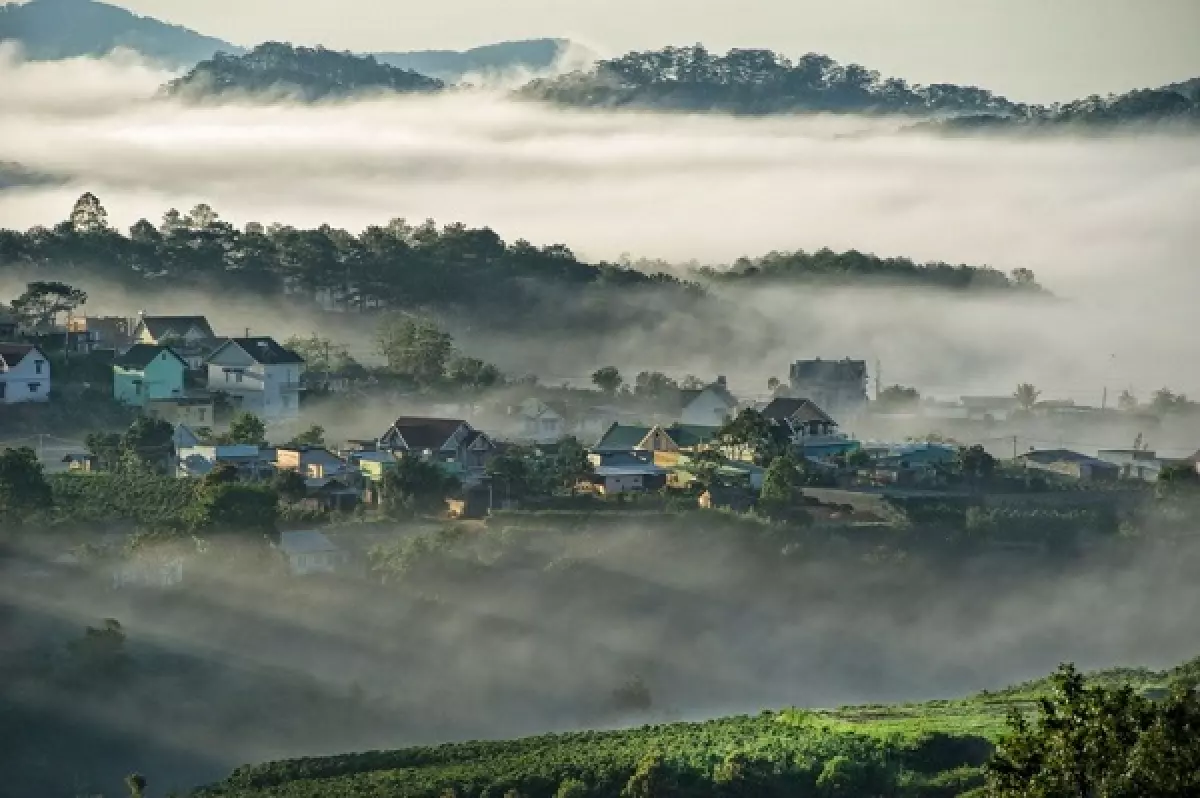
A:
{"x":878,"y":378}
{"x":1104,"y":400}
{"x":1014,"y":447}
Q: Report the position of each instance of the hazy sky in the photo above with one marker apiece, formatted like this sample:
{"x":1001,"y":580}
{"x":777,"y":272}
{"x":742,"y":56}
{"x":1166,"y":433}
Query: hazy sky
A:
{"x":1035,"y":50}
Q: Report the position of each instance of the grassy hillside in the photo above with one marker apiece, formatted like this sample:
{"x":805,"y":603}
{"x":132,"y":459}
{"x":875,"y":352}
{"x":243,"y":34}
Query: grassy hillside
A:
{"x":931,"y":749}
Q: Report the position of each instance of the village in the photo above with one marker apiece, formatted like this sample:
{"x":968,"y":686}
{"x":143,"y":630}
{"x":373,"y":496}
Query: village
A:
{"x":533,"y":447}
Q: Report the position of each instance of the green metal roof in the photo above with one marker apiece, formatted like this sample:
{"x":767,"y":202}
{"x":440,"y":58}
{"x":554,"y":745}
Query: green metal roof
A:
{"x":621,"y":437}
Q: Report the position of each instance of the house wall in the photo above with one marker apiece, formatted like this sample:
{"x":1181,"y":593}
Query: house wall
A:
{"x":27,"y":381}
{"x":706,"y":410}
{"x":161,"y":379}
{"x":189,"y":413}
{"x":270,"y":392}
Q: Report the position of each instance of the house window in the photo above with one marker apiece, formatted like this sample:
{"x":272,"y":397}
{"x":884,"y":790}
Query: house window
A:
{"x":34,"y":387}
{"x":3,"y":389}
{"x":227,"y":376}
{"x":38,"y":365}
{"x":239,"y":376}
{"x":200,"y":414}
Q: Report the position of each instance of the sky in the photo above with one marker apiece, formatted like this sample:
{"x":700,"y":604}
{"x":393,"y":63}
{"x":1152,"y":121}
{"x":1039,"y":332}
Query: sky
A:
{"x":1030,"y":50}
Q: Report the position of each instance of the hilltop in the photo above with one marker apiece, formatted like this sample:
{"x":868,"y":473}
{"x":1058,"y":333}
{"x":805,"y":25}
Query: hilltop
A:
{"x":52,"y":29}
{"x":309,"y":73}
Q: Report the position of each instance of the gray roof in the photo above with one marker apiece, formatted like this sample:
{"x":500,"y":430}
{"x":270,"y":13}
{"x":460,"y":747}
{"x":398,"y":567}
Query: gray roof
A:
{"x":141,"y":355}
{"x":178,"y":326}
{"x":12,"y":354}
{"x":264,"y":350}
{"x":1063,"y":456}
{"x":801,"y":411}
{"x":307,"y":541}
{"x":829,"y":370}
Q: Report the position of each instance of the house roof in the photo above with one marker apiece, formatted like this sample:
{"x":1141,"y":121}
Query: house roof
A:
{"x":264,"y":350}
{"x":141,"y":355}
{"x":1063,"y":456}
{"x":799,"y":410}
{"x":686,"y":397}
{"x":686,"y":435}
{"x":12,"y":354}
{"x":641,"y":469}
{"x":619,"y":437}
{"x":178,"y":326}
{"x":426,"y":433}
{"x":307,"y":541}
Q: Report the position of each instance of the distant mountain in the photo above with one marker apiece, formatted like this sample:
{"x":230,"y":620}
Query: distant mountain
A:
{"x":51,"y":29}
{"x":1188,"y":88}
{"x":533,"y":55}
{"x":755,"y":82}
{"x":305,"y":72}
{"x":1178,"y":104}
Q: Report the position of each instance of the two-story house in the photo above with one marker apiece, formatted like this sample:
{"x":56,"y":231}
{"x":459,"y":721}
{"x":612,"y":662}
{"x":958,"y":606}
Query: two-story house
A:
{"x":540,"y":422}
{"x":148,"y":372}
{"x":839,"y":385}
{"x":259,"y":376}
{"x":24,"y":374}
{"x":808,"y":426}
{"x":191,"y":337}
{"x":446,"y":440}
{"x":327,"y":478}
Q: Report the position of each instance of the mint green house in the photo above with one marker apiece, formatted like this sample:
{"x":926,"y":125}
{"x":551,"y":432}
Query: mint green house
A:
{"x":146,"y":372}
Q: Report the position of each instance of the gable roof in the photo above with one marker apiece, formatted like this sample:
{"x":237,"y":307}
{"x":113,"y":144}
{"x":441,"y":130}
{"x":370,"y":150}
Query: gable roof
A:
{"x":12,"y":354}
{"x":426,"y":433}
{"x":263,"y":350}
{"x":141,"y":355}
{"x":686,"y":435}
{"x":686,"y":397}
{"x":1045,"y":456}
{"x":163,"y":326}
{"x":802,"y":411}
{"x":621,"y":437}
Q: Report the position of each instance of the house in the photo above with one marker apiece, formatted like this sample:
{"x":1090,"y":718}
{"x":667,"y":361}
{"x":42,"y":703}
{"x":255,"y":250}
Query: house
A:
{"x":24,"y":374}
{"x":333,"y":482}
{"x":1071,"y":464}
{"x":626,"y":474}
{"x":311,"y":552}
{"x":917,"y":456}
{"x":539,"y":422}
{"x":90,"y":333}
{"x":445,"y":440}
{"x":190,"y":336}
{"x":663,"y":444}
{"x":79,"y":461}
{"x":148,"y":371}
{"x":840,"y":385}
{"x":809,"y":427}
{"x":251,"y":461}
{"x":172,"y":329}
{"x":259,"y":375}
{"x":710,"y":406}
{"x":149,"y":570}
{"x":1136,"y":463}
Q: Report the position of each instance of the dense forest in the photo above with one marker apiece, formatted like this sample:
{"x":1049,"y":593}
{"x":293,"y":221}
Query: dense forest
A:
{"x":305,"y":72}
{"x":449,"y":269}
{"x":755,"y":82}
{"x":764,"y":82}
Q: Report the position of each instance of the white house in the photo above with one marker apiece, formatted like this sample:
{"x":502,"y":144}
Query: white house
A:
{"x":259,"y":375}
{"x":24,"y":374}
{"x":710,"y":406}
{"x":310,"y":552}
{"x":539,"y":421}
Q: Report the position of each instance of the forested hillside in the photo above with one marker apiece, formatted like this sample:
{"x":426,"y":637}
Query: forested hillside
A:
{"x":52,"y":29}
{"x":755,"y":82}
{"x":304,"y":72}
{"x":760,"y":82}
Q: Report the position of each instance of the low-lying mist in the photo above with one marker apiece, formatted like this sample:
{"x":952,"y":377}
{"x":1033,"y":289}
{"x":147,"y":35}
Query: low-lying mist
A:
{"x":526,"y":629}
{"x":1106,"y":222}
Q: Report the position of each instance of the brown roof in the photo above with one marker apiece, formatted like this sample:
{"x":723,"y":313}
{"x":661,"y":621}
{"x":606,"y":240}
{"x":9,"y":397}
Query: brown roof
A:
{"x":801,"y":411}
{"x":425,"y":433}
{"x":12,"y":354}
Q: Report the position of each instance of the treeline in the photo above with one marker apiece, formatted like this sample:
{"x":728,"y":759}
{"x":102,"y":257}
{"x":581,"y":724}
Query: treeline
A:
{"x":394,"y":265}
{"x":751,"y":81}
{"x":758,"y":82}
{"x":856,"y":268}
{"x":305,"y":72}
